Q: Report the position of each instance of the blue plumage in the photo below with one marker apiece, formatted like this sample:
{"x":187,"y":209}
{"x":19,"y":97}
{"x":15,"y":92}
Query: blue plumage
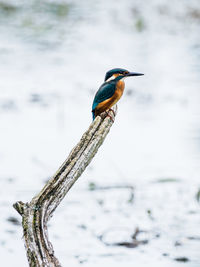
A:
{"x":113,"y":71}
{"x":106,"y":91}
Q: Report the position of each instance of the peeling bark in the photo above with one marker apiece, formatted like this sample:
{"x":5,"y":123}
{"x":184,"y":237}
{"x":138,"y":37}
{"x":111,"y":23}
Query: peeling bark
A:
{"x":36,"y":213}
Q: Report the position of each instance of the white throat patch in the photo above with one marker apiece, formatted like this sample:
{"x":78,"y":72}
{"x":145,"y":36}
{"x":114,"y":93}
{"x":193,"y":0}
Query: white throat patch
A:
{"x":111,"y":78}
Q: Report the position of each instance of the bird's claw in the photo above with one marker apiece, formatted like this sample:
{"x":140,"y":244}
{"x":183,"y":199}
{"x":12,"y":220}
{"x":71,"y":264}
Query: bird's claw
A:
{"x":108,"y":115}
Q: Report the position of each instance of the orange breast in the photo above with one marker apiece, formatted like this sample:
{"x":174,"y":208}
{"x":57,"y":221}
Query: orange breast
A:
{"x":108,"y":103}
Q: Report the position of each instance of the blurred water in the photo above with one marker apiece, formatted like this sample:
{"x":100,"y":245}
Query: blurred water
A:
{"x":53,"y":57}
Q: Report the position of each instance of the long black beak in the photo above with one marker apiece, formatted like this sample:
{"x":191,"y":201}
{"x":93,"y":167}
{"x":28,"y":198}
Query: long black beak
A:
{"x":134,"y":74}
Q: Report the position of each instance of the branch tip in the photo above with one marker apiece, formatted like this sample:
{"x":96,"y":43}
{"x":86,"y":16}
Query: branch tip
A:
{"x":19,"y":206}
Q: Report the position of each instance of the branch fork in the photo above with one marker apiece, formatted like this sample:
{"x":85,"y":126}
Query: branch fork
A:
{"x":36,"y":213}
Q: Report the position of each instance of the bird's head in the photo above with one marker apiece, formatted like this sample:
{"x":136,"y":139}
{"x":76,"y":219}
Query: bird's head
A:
{"x":120,"y":73}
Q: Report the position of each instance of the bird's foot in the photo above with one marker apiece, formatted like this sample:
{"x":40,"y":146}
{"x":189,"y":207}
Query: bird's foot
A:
{"x":110,"y":116}
{"x":108,"y":113}
{"x":112,"y":111}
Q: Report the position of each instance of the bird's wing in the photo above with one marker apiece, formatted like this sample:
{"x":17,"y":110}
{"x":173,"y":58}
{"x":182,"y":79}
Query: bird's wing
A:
{"x":106,"y":91}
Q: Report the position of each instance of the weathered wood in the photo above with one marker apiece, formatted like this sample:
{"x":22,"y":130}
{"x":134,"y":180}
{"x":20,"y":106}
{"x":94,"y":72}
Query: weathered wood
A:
{"x":36,"y":213}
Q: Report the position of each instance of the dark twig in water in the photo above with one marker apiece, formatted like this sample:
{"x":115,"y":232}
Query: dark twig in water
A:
{"x":94,"y":187}
{"x":182,"y":259}
{"x":133,"y":243}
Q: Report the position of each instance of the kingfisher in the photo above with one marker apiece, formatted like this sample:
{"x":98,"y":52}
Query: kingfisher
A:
{"x":111,"y":90}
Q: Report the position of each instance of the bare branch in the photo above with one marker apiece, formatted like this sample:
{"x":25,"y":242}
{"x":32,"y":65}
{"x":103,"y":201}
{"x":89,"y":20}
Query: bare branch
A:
{"x":35,"y":215}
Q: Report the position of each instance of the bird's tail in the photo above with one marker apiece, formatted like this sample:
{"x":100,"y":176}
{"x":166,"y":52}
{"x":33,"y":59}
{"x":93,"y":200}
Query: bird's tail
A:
{"x":93,"y":114}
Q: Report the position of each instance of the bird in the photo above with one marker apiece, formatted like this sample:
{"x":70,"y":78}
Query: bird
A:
{"x":111,"y":90}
